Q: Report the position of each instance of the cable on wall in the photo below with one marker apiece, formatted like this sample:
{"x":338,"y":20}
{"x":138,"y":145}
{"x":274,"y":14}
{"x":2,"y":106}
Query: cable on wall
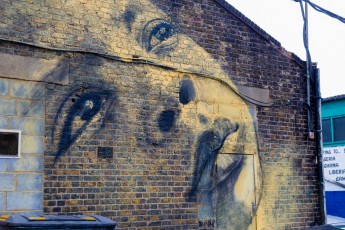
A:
{"x":137,"y":60}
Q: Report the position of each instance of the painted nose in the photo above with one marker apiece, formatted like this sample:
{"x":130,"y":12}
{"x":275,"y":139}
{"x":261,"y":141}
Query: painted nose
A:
{"x":209,"y":144}
{"x":225,"y":127}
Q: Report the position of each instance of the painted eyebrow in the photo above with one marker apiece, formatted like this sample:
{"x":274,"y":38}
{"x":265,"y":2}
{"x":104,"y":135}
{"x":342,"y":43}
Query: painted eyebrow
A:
{"x":129,"y":16}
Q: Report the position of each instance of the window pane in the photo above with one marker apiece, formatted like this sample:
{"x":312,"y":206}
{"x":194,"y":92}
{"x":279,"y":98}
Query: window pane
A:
{"x":339,"y":129}
{"x":9,"y":143}
{"x":326,"y":130}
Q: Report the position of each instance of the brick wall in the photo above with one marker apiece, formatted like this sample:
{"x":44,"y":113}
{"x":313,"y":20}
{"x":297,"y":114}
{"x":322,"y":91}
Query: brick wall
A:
{"x":290,"y":182}
{"x":143,"y":121}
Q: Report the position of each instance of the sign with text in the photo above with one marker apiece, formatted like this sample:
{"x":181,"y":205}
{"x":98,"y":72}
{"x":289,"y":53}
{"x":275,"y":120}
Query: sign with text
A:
{"x":334,"y":165}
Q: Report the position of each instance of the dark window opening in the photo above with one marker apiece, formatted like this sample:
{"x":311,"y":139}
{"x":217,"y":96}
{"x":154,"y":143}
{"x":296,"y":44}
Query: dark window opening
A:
{"x":326,"y":130}
{"x":9,"y":143}
{"x":339,"y":128}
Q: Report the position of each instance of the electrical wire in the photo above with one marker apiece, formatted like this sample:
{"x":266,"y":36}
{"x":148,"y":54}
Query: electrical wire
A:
{"x":319,"y":9}
{"x":309,"y":61}
{"x":305,"y":25}
{"x":305,"y":37}
{"x":137,"y":60}
{"x":323,"y":10}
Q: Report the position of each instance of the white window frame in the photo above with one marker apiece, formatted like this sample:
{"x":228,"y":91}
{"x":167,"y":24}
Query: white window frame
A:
{"x":19,"y":132}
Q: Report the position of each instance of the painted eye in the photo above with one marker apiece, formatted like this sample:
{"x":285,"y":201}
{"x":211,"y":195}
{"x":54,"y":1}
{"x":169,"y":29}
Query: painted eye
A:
{"x":87,"y":107}
{"x":159,"y":37}
{"x":162,"y":32}
{"x":81,"y":112}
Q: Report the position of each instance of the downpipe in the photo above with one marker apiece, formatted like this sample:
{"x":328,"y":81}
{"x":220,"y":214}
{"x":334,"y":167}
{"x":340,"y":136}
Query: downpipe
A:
{"x":319,"y":143}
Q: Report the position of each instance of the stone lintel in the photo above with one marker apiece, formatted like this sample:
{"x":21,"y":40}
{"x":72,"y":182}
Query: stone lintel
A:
{"x":34,"y":69}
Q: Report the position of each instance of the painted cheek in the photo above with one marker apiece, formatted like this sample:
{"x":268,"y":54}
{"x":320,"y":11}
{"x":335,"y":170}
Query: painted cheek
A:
{"x":166,"y":120}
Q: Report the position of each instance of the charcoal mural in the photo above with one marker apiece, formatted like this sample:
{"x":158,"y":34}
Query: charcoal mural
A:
{"x":85,"y":108}
{"x":226,"y":159}
{"x":226,"y":168}
{"x":150,"y":87}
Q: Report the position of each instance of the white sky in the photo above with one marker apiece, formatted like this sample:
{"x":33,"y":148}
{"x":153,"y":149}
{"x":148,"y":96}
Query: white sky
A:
{"x":282,"y":19}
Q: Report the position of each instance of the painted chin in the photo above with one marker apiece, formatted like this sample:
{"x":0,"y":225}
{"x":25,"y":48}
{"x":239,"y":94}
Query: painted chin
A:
{"x":216,"y":174}
{"x":228,"y":168}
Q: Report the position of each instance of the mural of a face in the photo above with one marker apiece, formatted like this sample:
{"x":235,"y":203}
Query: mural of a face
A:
{"x":226,"y":157}
{"x":226,"y":167}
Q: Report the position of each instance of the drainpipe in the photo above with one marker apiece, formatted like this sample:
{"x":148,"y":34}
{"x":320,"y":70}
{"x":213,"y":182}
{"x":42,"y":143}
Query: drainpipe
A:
{"x":311,"y":134}
{"x":312,"y":69}
{"x":319,"y":145}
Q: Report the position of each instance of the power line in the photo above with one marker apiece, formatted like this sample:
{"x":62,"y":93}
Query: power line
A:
{"x":327,"y":12}
{"x":309,"y":66}
{"x":304,"y":11}
{"x":323,"y":10}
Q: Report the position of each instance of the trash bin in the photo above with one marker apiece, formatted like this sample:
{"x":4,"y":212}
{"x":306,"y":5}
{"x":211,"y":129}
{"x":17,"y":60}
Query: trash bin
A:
{"x":22,"y":222}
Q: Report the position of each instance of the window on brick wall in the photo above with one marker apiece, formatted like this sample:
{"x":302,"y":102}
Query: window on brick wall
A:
{"x":333,"y":130}
{"x":10,"y":143}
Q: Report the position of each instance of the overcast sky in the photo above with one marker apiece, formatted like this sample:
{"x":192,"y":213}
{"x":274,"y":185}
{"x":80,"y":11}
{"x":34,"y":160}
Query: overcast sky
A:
{"x":282,"y":19}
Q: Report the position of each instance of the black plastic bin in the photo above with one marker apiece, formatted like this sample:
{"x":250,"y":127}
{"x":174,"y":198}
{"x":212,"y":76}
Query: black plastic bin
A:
{"x":22,"y":222}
